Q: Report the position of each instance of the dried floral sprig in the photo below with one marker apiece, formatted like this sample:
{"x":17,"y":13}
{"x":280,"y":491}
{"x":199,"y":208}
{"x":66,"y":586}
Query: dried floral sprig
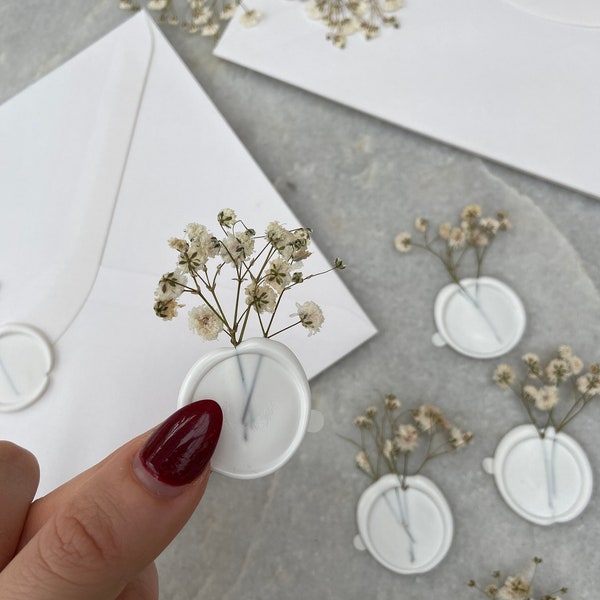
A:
{"x":452,"y":244}
{"x":262,"y":275}
{"x":390,"y":438}
{"x":519,"y":587}
{"x":540,"y":390}
{"x":346,"y":17}
{"x":206,"y":17}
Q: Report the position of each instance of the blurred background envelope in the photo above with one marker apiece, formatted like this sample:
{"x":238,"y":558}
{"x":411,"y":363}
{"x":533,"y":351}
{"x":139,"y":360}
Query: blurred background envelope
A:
{"x":101,"y":162}
{"x":497,"y":78}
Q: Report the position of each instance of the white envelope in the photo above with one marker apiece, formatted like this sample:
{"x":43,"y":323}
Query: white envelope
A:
{"x":101,"y":162}
{"x":480,"y":75}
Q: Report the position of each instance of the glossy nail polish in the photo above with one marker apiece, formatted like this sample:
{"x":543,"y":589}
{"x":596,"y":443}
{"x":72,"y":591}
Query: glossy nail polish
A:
{"x":179,"y":450}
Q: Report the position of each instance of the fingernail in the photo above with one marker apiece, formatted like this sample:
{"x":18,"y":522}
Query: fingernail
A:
{"x":179,"y":450}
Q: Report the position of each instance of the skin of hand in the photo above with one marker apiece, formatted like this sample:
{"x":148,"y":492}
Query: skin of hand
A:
{"x":96,"y":536}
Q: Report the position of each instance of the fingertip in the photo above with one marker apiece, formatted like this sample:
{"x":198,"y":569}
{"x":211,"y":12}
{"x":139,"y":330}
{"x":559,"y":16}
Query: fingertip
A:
{"x":19,"y":466}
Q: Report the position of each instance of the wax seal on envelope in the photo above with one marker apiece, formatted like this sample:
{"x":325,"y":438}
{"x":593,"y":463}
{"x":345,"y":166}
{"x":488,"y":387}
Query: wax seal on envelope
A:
{"x":25,"y":364}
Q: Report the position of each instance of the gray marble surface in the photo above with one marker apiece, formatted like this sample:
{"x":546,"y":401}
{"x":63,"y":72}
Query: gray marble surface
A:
{"x":358,"y":181}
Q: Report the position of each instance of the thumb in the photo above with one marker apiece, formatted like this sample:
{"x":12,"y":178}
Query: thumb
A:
{"x":122,"y":516}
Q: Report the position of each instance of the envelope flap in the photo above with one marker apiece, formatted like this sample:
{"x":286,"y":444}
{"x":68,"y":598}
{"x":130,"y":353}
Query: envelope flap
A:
{"x":75,"y":127}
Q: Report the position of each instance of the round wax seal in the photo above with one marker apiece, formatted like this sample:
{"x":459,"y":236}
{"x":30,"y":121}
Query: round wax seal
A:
{"x":481,"y":318}
{"x":406,"y":530}
{"x":25,"y":364}
{"x":265,"y":397}
{"x":545,"y":480}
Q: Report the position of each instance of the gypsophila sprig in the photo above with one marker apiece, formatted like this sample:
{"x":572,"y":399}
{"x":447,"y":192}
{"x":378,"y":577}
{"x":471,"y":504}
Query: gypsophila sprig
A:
{"x":346,"y":17}
{"x":402,"y":442}
{"x":264,"y":268}
{"x":516,"y":587}
{"x":553,"y":394}
{"x":456,"y":245}
{"x":206,"y":17}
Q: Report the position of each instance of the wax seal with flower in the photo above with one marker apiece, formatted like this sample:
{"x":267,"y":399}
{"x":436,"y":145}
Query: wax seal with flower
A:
{"x":237,"y":282}
{"x":477,"y":316}
{"x":517,"y":587}
{"x":542,"y":473}
{"x":403,"y":518}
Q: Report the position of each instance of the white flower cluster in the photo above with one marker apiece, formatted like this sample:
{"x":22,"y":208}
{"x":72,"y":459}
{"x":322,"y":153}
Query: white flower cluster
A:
{"x":346,"y":17}
{"x":452,"y":244}
{"x":387,"y":438}
{"x":197,"y":16}
{"x":541,"y":387}
{"x":519,"y":587}
{"x":263,"y":275}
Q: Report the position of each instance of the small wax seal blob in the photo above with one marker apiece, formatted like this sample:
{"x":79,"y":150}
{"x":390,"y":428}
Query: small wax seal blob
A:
{"x":480,"y":318}
{"x":544,"y":480}
{"x":585,"y":13}
{"x":25,"y":364}
{"x":265,"y":397}
{"x":409,"y":530}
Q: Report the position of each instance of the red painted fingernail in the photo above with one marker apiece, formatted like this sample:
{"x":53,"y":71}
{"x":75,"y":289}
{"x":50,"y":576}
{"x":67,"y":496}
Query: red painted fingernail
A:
{"x":179,"y":450}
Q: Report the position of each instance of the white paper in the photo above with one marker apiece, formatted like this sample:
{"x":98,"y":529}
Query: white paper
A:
{"x":100,"y":163}
{"x":483,"y":76}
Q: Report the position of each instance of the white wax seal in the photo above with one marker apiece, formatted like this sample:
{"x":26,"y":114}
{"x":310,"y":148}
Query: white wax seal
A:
{"x":545,"y":480}
{"x":481,"y":318}
{"x":408,"y":530}
{"x":25,"y":365}
{"x":266,"y":402}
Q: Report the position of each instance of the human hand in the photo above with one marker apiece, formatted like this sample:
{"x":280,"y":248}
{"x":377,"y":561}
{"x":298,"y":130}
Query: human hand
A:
{"x":96,"y":537}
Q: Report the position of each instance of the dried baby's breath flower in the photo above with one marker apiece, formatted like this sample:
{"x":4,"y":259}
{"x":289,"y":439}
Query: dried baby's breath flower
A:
{"x":346,"y":17}
{"x":363,"y":422}
{"x":407,"y":438}
{"x":428,"y":417}
{"x":388,"y":449}
{"x":157,"y":4}
{"x":395,"y":437}
{"x":362,"y":462}
{"x":311,"y":317}
{"x":504,"y":375}
{"x":444,"y":231}
{"x":278,"y":274}
{"x":457,"y":238}
{"x":262,"y":276}
{"x":403,"y":242}
{"x":454,"y":245}
{"x":421,"y":224}
{"x":547,"y":397}
{"x":204,"y":16}
{"x":261,"y":297}
{"x":556,"y":385}
{"x":471,"y":211}
{"x":250,"y":18}
{"x":575,"y":365}
{"x":371,"y":411}
{"x":519,"y":587}
{"x":166,"y":309}
{"x":391,"y":402}
{"x":458,"y":438}
{"x":557,"y":370}
{"x":227,"y":218}
{"x":205,"y":322}
{"x":171,"y":285}
{"x":533,"y":364}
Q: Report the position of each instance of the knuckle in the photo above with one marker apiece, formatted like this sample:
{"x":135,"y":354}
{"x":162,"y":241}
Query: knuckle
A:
{"x":82,"y":540}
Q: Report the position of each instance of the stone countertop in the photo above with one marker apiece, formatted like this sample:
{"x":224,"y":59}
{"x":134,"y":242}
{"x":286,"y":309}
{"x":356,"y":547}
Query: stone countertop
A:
{"x":357,"y":182}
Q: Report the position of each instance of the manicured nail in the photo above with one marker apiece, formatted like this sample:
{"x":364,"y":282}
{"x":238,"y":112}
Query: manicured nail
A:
{"x":179,"y":450}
